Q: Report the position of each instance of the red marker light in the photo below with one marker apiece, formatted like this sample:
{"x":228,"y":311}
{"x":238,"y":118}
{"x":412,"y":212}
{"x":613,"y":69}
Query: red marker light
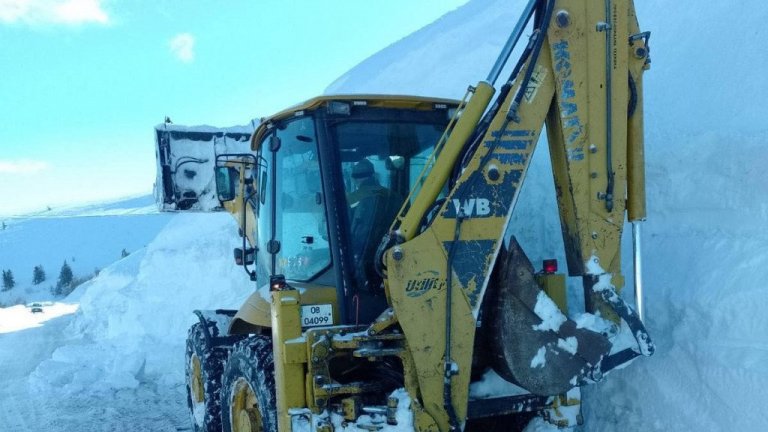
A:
{"x":550,"y":266}
{"x":277,"y":282}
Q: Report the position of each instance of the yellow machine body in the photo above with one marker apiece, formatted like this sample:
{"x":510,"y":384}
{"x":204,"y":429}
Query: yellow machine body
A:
{"x":439,"y":275}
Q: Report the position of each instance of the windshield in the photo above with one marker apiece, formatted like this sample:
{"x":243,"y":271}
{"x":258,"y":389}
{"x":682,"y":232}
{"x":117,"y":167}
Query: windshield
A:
{"x":293,"y":191}
{"x":381,"y":162}
{"x":398,"y":151}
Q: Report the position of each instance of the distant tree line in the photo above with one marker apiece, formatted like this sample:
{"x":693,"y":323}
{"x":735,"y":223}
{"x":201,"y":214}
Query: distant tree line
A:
{"x":65,"y":284}
{"x":38,"y":277}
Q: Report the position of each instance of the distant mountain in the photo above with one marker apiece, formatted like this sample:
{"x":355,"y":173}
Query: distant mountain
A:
{"x":141,"y":204}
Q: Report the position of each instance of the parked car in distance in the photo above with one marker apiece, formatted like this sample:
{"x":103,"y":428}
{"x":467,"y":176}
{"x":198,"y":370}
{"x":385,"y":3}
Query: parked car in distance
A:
{"x":36,"y":308}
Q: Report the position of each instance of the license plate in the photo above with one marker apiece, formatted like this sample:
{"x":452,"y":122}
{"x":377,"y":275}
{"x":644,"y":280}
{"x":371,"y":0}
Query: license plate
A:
{"x":316,"y":315}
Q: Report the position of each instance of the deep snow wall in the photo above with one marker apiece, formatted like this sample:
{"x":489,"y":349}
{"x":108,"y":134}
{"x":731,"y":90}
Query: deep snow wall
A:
{"x":706,"y":260}
{"x":133,"y":318}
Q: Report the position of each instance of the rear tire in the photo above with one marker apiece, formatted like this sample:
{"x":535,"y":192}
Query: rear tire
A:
{"x":204,"y":366}
{"x":248,"y":402}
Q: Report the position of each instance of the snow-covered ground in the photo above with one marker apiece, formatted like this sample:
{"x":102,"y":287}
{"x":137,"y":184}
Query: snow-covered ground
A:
{"x":21,"y":317}
{"x":117,"y":363}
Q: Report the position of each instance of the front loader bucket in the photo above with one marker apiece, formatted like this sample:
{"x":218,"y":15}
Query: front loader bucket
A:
{"x":533,"y":343}
{"x":186,"y":156}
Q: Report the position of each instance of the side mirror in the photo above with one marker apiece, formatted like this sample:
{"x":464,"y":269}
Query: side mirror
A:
{"x":227,"y":178}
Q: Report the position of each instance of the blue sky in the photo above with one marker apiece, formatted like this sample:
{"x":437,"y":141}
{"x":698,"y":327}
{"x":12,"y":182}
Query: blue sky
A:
{"x":82,"y":82}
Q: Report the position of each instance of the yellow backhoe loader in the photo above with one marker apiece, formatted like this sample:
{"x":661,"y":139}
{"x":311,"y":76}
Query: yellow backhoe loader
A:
{"x":388,"y":296}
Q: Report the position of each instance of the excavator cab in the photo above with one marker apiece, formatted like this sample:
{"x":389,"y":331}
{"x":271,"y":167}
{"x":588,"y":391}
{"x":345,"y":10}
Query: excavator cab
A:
{"x":327,"y":180}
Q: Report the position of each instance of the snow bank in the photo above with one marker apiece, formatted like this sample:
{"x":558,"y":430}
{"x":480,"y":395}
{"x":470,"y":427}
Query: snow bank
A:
{"x":441,"y":59}
{"x":133,"y":318}
{"x":706,"y":262}
{"x":706,"y":272}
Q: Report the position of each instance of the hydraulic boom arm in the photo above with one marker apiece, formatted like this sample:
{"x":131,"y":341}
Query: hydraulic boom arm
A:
{"x":580,"y":74}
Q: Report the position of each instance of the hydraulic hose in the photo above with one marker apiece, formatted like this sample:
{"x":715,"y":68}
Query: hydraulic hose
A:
{"x":607,"y":28}
{"x":493,"y":75}
{"x":485,"y":122}
{"x":449,"y":367}
{"x":539,"y":35}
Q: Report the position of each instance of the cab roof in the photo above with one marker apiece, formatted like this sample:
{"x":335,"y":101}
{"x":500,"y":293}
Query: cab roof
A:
{"x":371,"y":100}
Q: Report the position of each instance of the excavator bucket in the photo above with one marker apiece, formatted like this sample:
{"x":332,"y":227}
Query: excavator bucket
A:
{"x":535,"y":345}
